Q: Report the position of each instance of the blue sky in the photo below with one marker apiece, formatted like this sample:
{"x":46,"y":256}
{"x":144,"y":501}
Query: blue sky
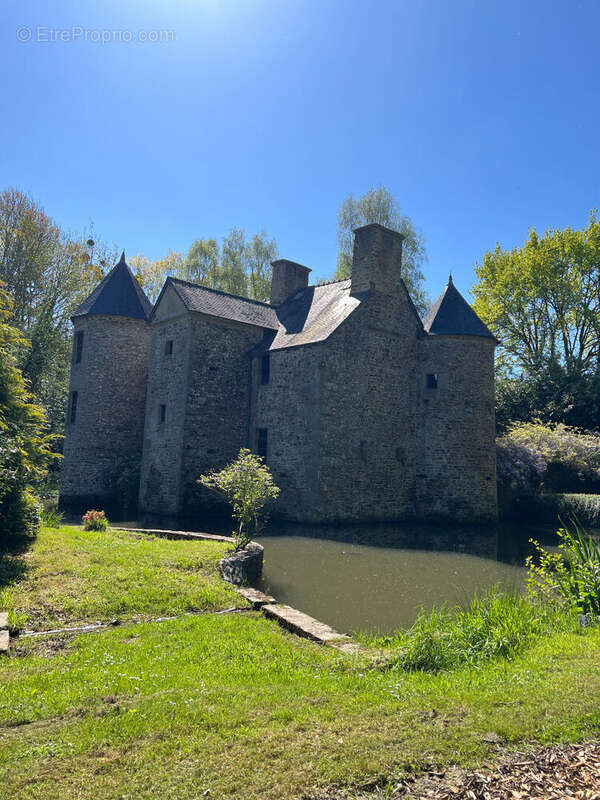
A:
{"x":482,"y":117}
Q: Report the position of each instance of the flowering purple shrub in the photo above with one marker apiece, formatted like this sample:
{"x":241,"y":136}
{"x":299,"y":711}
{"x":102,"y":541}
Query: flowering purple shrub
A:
{"x":519,"y":467}
{"x":526,"y":451}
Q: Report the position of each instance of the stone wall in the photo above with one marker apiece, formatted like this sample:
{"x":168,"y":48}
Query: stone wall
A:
{"x":204,"y":385}
{"x":168,"y":371}
{"x":366,"y":460}
{"x":455,"y":471}
{"x":289,"y":408}
{"x":107,"y":434}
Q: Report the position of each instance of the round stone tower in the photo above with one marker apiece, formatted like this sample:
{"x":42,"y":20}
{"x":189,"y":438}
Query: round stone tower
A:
{"x":455,"y":453}
{"x":107,"y":392}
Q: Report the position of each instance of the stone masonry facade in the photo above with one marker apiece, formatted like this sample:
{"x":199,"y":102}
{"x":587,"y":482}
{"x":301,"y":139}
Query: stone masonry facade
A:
{"x":361,"y":410}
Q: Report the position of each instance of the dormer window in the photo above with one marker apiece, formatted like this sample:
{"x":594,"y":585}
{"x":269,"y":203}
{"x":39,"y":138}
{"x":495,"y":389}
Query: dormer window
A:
{"x":432,"y":380}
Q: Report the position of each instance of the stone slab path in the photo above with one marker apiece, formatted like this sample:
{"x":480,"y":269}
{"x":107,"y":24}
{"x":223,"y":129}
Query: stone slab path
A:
{"x":300,"y":623}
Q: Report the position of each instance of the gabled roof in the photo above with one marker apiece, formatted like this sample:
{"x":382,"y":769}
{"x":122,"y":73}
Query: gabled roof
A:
{"x":118,"y":294}
{"x":312,"y":314}
{"x":451,"y":314}
{"x":220,"y":304}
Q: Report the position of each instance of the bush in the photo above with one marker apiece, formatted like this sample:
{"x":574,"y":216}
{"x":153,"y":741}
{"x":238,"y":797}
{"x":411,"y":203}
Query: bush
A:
{"x":496,"y":625}
{"x":94,"y":521}
{"x":247,"y":485}
{"x":572,"y":574}
{"x":555,"y":456}
{"x":20,"y":514}
{"x":519,"y":467}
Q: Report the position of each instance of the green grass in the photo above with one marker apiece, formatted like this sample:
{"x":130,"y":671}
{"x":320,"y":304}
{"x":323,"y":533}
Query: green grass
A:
{"x":235,"y":705}
{"x":70,"y":576}
{"x":499,"y":624}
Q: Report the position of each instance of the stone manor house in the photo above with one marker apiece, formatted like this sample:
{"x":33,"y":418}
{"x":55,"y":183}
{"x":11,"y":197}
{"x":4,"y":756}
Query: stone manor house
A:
{"x":362,"y":410}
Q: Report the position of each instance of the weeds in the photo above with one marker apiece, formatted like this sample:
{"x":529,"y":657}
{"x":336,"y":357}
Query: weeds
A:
{"x":572,"y":574}
{"x":495,"y":625}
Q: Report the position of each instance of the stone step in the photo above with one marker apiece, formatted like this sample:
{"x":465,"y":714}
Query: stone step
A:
{"x":3,"y":620}
{"x":256,"y":598}
{"x":300,"y":623}
{"x":4,"y":641}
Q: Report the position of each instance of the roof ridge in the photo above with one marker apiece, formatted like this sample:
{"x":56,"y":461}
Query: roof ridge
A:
{"x":328,"y":283}
{"x":219,"y":291}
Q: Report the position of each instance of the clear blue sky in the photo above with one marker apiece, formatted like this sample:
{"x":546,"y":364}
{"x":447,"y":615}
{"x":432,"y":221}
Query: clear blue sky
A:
{"x":483,"y":117}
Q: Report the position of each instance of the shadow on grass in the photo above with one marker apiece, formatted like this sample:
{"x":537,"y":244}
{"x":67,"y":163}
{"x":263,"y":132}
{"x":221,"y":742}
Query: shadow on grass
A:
{"x":12,"y":562}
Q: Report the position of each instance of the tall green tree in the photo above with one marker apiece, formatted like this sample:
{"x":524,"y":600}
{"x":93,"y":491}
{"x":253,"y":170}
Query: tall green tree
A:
{"x":46,"y":273}
{"x":380,"y":205}
{"x":25,"y":447}
{"x":201,"y":265}
{"x":542,"y":300}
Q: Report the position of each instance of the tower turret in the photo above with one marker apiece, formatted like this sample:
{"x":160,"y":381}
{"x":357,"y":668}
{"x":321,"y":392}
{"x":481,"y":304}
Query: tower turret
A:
{"x":457,"y":471}
{"x":107,"y":392}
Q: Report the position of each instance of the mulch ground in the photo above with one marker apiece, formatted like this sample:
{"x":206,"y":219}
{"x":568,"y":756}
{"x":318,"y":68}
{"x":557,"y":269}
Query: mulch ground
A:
{"x":563,"y":771}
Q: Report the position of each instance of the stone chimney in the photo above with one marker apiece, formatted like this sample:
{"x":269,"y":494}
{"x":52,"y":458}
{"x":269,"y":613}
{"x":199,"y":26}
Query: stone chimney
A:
{"x":377,"y":259}
{"x":287,"y":277}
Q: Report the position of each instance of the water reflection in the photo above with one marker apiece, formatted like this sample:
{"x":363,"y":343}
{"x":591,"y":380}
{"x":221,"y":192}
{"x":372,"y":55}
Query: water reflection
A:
{"x":378,"y":576}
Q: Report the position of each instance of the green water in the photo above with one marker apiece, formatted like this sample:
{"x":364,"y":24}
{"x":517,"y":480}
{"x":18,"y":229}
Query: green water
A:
{"x":377,"y":577}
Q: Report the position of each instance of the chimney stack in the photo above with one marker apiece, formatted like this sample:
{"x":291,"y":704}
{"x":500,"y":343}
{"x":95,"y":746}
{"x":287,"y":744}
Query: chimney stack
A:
{"x":377,"y":259}
{"x":287,"y":277}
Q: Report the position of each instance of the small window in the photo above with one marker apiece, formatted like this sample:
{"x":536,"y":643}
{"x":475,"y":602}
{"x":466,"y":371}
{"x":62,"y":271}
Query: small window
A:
{"x":169,"y":347}
{"x":78,"y":347}
{"x":162,"y":413}
{"x":432,"y":380}
{"x":73,"y":411}
{"x":265,"y":368}
{"x":261,"y":442}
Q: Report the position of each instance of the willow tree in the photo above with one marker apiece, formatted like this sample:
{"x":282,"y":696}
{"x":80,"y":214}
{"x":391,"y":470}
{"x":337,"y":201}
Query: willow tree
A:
{"x":380,"y":205}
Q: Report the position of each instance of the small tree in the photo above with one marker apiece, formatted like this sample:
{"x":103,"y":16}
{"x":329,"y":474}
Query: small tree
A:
{"x":247,"y":485}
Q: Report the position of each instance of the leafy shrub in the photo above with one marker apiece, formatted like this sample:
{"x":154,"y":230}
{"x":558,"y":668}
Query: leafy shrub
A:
{"x":247,"y":485}
{"x":51,"y":518}
{"x":571,"y":574}
{"x":496,"y":625}
{"x":94,"y":521}
{"x":21,"y":514}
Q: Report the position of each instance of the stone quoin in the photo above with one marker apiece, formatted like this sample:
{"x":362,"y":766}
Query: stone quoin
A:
{"x":362,"y":410}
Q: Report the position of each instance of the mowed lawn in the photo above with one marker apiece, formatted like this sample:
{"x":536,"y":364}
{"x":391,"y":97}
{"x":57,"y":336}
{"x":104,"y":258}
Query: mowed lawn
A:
{"x":71,"y":576}
{"x":233,"y":705}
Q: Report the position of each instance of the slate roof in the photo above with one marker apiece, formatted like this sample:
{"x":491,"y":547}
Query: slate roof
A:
{"x":118,"y":294}
{"x":309,"y":315}
{"x":451,"y":314}
{"x":220,"y":304}
{"x":312,"y":314}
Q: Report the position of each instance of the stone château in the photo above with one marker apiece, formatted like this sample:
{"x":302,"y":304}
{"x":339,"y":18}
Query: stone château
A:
{"x":362,"y":410}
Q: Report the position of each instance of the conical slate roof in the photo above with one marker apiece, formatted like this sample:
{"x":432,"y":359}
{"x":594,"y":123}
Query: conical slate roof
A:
{"x":451,"y":314}
{"x":118,"y":294}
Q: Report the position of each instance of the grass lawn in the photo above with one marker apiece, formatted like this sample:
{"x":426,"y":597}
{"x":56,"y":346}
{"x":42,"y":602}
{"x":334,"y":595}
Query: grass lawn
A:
{"x":235,"y":705}
{"x":70,"y":575}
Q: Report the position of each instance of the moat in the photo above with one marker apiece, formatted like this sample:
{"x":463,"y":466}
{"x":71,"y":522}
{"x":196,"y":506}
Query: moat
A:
{"x":377,"y":577}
